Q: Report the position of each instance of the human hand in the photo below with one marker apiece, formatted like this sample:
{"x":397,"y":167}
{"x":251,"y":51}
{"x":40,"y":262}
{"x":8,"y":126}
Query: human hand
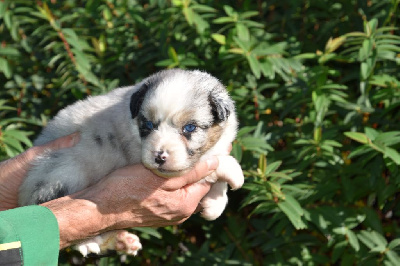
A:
{"x":131,"y":196}
{"x":14,"y":170}
{"x":135,"y":196}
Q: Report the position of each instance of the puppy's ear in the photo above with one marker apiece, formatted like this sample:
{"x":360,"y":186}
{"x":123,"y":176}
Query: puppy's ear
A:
{"x":221,"y":106}
{"x":137,"y":99}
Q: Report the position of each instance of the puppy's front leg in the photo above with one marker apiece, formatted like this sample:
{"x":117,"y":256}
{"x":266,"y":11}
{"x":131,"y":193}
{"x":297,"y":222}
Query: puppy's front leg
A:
{"x":215,"y":201}
{"x":229,"y":170}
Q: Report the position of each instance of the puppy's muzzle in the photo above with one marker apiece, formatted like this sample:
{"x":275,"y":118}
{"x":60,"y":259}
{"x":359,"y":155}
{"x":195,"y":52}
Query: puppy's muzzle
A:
{"x":160,"y":157}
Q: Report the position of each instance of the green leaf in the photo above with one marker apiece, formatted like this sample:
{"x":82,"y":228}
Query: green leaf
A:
{"x":237,"y":151}
{"x":3,"y":8}
{"x":341,"y":230}
{"x":357,"y":136}
{"x":204,"y":8}
{"x":229,"y":10}
{"x":388,"y":138}
{"x":81,"y":59}
{"x":373,"y":239}
{"x":223,"y":20}
{"x":5,"y":67}
{"x":280,"y":175}
{"x":394,"y":243}
{"x":254,"y":65}
{"x":149,"y":231}
{"x":243,"y":32}
{"x":188,"y":12}
{"x":393,"y":257}
{"x":73,"y":39}
{"x":219,"y":38}
{"x":245,"y":46}
{"x":253,"y":143}
{"x":273,"y":50}
{"x":332,"y":143}
{"x":383,"y":80}
{"x":352,"y":238}
{"x":293,"y":211}
{"x":88,"y":75}
{"x":365,"y":70}
{"x":244,"y":131}
{"x":19,"y":135}
{"x":9,"y":51}
{"x":271,"y":167}
{"x":13,"y":144}
{"x":392,"y":154}
{"x":338,"y":250}
{"x":365,"y":50}
{"x":267,"y":68}
{"x":371,"y":133}
{"x":249,"y":14}
{"x":371,"y":26}
{"x":172,"y":54}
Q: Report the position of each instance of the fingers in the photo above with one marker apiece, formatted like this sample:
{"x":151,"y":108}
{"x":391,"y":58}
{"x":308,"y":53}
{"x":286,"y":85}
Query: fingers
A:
{"x":60,"y":143}
{"x":193,"y":194}
{"x":201,"y":170}
{"x":197,"y":191}
{"x":63,"y":142}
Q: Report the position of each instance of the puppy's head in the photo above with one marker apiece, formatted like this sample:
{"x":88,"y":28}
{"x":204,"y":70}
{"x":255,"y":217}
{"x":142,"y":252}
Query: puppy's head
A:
{"x":181,"y":115}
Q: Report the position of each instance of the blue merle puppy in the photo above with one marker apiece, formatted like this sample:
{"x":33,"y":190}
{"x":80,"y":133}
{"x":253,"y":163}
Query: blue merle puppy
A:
{"x":168,"y":122}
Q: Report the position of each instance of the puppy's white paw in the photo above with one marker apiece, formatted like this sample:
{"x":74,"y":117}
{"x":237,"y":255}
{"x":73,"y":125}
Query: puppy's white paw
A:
{"x":127,"y":243}
{"x":119,"y":240}
{"x":229,"y":170}
{"x":215,"y":201}
{"x":212,"y":212}
{"x":89,"y":246}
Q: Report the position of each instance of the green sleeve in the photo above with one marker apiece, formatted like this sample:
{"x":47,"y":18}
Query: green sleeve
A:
{"x":29,"y":236}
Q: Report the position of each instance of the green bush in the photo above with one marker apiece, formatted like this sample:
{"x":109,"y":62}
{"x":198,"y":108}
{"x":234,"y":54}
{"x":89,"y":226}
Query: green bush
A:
{"x":317,"y":89}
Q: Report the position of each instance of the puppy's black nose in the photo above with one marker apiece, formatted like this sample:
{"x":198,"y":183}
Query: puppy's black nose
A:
{"x":161,"y":157}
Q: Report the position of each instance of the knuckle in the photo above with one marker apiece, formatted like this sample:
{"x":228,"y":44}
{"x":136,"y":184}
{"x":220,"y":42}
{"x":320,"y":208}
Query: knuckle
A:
{"x":31,"y":153}
{"x":168,"y":186}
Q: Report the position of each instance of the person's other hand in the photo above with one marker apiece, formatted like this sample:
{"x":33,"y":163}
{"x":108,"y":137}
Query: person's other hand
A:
{"x":14,"y":170}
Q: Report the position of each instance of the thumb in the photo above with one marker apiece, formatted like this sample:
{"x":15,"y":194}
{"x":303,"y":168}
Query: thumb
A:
{"x":200,"y":171}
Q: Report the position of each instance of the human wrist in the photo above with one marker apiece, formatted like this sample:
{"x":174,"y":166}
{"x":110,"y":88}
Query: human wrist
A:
{"x":77,"y":219}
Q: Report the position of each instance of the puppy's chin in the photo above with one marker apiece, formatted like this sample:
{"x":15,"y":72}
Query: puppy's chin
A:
{"x":167,"y":173}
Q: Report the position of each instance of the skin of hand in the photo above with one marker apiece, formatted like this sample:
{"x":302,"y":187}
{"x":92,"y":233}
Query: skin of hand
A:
{"x":14,"y":170}
{"x":131,"y":196}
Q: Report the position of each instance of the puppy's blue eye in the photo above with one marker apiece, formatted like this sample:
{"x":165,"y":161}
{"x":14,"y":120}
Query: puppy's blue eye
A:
{"x":189,"y":128}
{"x":149,"y":125}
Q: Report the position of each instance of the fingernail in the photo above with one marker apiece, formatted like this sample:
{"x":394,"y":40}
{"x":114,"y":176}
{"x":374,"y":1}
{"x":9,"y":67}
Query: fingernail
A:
{"x":212,"y":163}
{"x":74,"y":138}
